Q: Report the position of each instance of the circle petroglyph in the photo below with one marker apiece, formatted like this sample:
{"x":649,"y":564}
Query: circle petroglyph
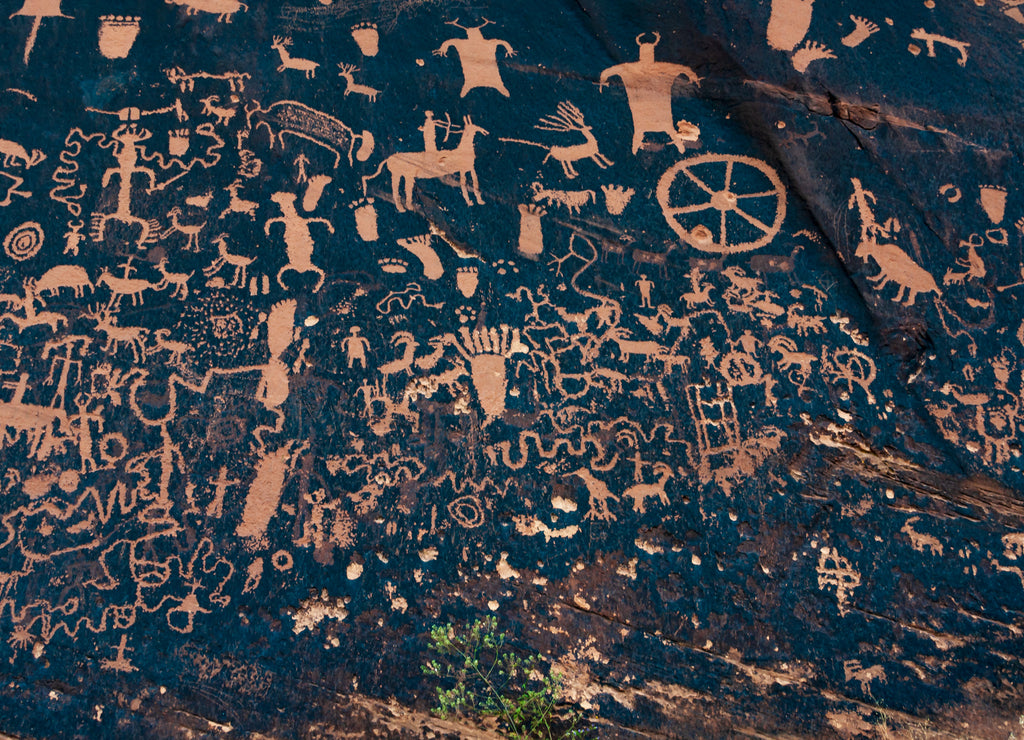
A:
{"x":724,"y":204}
{"x":24,"y":242}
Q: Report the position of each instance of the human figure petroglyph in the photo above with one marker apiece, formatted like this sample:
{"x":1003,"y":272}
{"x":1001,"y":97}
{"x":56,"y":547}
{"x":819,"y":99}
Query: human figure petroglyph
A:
{"x":306,"y":66}
{"x":862,"y":30}
{"x":297,"y":238}
{"x":649,"y":91}
{"x":224,"y":257}
{"x":478,"y":57}
{"x":351,"y":86}
{"x":930,"y":39}
{"x":65,"y":363}
{"x":127,"y":153}
{"x":644,"y":285}
{"x":407,"y":167}
{"x":355,"y":347}
{"x":223,"y":9}
{"x":568,"y":118}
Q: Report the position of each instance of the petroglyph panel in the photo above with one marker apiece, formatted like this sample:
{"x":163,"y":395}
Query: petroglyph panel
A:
{"x":684,"y":338}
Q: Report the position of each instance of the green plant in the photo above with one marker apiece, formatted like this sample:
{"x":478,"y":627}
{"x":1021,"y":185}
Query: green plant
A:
{"x":487,"y":677}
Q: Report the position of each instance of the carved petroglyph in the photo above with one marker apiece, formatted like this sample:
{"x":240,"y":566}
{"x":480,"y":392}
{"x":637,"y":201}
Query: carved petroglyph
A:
{"x":568,"y":118}
{"x":478,"y":57}
{"x":306,"y":66}
{"x":789,"y":23}
{"x":407,"y":167}
{"x":649,"y":91}
{"x":930,"y":39}
{"x":724,"y":218}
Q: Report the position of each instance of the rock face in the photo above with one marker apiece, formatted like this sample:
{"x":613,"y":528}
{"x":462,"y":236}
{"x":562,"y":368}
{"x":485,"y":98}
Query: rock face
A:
{"x":682,"y":337}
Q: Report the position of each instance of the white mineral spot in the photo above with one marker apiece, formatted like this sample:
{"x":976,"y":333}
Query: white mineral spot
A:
{"x":889,"y":493}
{"x":506,"y":571}
{"x":493,"y":605}
{"x":399,"y":604}
{"x":311,"y":321}
{"x":563,"y":504}
{"x":428,"y":553}
{"x":354,"y":570}
{"x":695,"y":560}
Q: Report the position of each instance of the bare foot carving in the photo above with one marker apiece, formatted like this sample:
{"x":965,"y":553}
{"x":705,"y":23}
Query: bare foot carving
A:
{"x":863,"y":28}
{"x":809,"y":52}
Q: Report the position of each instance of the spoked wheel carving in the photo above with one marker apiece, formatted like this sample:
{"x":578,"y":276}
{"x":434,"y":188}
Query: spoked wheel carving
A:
{"x":723,"y":203}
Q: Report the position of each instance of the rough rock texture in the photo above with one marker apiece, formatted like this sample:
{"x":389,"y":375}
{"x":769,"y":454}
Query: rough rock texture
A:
{"x":681,"y":336}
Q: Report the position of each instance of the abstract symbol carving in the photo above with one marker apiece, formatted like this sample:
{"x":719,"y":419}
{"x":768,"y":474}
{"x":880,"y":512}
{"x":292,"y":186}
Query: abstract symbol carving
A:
{"x":24,"y":242}
{"x":732,"y":203}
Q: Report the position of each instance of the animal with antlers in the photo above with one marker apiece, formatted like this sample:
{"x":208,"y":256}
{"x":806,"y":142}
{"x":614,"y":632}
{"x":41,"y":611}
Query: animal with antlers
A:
{"x":308,"y":66}
{"x":133,"y":336}
{"x":240,"y":263}
{"x":347,"y":71}
{"x":568,"y":118}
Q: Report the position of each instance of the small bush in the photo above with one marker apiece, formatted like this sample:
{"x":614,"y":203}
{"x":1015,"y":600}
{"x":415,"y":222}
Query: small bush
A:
{"x":484,"y":676}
